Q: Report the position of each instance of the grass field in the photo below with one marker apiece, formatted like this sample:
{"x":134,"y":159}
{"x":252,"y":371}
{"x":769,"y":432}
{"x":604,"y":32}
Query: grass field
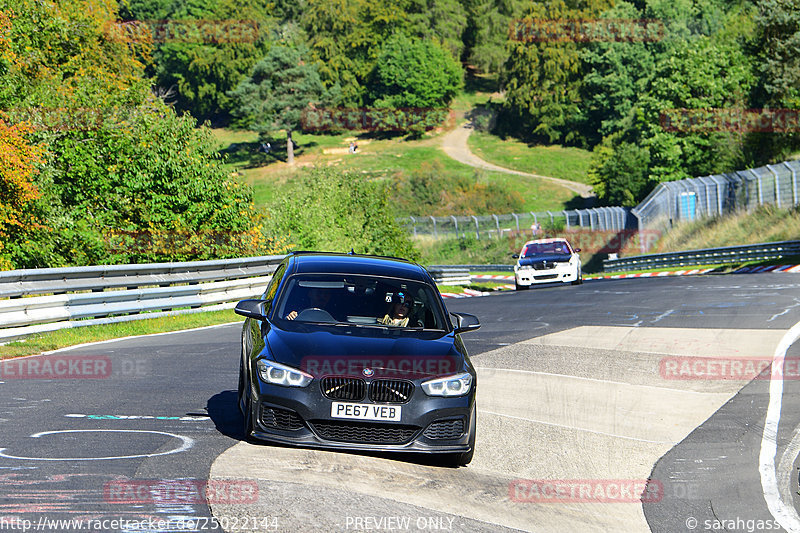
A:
{"x":555,"y":161}
{"x":376,"y":157}
{"x":765,"y":224}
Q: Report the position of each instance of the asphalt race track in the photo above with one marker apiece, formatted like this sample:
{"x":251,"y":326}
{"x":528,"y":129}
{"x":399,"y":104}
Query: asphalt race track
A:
{"x":624,"y":405}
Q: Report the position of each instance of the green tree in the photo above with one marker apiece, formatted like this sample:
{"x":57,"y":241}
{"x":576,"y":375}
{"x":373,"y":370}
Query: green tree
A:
{"x":615,"y":74}
{"x":113,"y":158}
{"x":327,"y":209}
{"x":346,"y":37}
{"x":487,"y":33}
{"x":414,"y":73}
{"x":443,"y":21}
{"x":543,"y":73}
{"x":202,"y":50}
{"x":273,"y":98}
{"x":778,"y":40}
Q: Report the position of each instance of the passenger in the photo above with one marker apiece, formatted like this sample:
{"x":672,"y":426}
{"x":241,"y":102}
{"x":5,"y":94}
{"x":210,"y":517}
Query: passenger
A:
{"x":398,"y":312}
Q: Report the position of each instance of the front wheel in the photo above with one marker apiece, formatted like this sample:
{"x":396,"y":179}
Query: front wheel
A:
{"x":519,"y":287}
{"x":248,"y":418}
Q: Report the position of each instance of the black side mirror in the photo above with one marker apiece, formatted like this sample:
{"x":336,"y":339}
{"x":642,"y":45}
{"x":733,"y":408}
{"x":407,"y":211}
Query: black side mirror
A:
{"x":251,"y":309}
{"x":466,"y":322}
{"x":577,"y":250}
{"x":515,"y":256}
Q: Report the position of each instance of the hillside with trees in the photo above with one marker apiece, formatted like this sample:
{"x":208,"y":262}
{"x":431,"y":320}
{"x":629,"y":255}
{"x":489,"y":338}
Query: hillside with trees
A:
{"x":105,"y":105}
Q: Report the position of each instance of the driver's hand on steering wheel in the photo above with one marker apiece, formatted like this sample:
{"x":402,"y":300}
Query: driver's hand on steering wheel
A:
{"x":292,"y":315}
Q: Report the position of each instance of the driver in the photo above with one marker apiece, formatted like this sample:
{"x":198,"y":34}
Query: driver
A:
{"x":318,"y":297}
{"x":398,"y":312}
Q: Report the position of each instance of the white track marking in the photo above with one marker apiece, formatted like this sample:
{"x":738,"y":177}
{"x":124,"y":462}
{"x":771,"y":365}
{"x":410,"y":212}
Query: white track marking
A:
{"x":187,"y":444}
{"x":785,"y":514}
{"x":565,"y":426}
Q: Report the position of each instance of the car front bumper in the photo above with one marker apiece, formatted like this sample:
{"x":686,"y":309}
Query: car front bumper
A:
{"x":302,"y":417}
{"x":530,"y":276}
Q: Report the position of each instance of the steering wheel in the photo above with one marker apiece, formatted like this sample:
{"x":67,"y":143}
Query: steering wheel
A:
{"x":315,"y":314}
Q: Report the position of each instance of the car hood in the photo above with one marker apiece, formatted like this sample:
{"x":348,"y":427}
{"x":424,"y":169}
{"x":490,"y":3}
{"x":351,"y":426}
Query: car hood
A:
{"x":552,"y":258}
{"x":348,"y":351}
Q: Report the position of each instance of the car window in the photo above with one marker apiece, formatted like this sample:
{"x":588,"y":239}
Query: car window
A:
{"x":547,"y":248}
{"x":272,"y":287}
{"x":360,"y":301}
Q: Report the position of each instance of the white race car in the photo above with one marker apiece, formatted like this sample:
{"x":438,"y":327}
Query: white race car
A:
{"x":547,"y":261}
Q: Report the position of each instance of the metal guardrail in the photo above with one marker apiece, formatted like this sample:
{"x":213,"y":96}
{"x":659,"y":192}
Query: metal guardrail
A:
{"x":48,"y":299}
{"x":709,"y":256}
{"x":82,"y":296}
{"x":476,"y":268}
{"x":450,"y":275}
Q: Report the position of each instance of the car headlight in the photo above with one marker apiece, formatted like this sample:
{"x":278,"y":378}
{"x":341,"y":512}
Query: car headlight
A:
{"x":457,"y":385}
{"x":525,"y":267}
{"x":278,"y":374}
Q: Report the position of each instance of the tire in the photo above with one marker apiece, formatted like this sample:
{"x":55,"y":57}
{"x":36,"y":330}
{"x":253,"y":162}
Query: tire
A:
{"x":240,"y":389}
{"x":579,"y":280}
{"x":247,"y":426}
{"x":244,"y":405}
{"x":519,"y":287}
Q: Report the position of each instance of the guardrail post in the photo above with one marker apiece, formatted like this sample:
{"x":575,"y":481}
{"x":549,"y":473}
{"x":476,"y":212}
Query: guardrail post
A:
{"x":477,"y":229}
{"x":552,"y":222}
{"x":455,"y":223}
{"x":566,"y":217}
{"x":794,"y":182}
{"x":516,"y":219}
{"x":497,"y":224}
{"x":777,"y":186}
{"x":414,"y":225}
{"x":758,"y":181}
{"x":435,"y":234}
{"x":719,"y":194}
{"x":708,"y":196}
{"x":639,"y":231}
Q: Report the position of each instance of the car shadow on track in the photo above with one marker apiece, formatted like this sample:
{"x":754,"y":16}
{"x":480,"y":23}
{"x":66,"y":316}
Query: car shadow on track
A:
{"x":224,"y":412}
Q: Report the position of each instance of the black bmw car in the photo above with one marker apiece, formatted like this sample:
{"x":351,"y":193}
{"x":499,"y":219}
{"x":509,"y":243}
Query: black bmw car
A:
{"x":357,"y":352}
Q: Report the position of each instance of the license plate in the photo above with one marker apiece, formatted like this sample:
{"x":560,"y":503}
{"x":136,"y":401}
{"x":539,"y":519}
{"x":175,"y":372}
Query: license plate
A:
{"x":364,"y":411}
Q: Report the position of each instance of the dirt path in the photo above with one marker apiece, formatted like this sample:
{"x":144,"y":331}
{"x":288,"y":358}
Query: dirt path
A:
{"x":455,"y":146}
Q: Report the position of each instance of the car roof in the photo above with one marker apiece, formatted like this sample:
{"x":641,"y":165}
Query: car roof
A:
{"x":371,"y":265}
{"x":545,"y":241}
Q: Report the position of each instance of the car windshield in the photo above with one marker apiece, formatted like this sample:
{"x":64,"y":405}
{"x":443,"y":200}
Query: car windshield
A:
{"x":546,"y":248}
{"x":360,"y":301}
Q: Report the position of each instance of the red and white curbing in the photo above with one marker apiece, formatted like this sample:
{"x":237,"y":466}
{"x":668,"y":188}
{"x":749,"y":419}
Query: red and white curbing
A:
{"x":654,"y":274}
{"x":772,"y":268}
{"x":468,"y":293}
{"x":745,"y":270}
